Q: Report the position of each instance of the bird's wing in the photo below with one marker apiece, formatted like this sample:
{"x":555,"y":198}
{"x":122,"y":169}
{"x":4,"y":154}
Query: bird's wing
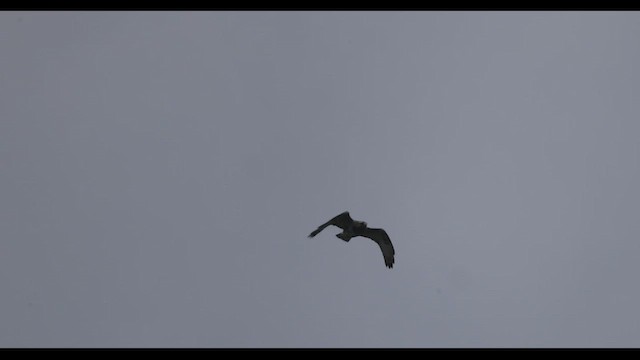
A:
{"x":380,"y":236}
{"x":342,"y":221}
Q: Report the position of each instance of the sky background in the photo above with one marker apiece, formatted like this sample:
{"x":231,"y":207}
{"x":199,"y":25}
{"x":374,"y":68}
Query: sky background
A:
{"x":160,"y":173}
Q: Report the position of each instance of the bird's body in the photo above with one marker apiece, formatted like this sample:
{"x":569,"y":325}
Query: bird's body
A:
{"x":352,"y":228}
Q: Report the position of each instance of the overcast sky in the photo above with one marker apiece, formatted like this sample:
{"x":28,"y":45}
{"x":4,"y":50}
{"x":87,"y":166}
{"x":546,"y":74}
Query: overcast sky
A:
{"x":160,"y":173}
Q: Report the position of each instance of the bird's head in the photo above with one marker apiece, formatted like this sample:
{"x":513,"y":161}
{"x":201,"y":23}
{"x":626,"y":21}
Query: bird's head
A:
{"x":362,"y":224}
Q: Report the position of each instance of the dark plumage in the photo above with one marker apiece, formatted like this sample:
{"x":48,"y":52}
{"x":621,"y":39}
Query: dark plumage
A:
{"x":351,"y":228}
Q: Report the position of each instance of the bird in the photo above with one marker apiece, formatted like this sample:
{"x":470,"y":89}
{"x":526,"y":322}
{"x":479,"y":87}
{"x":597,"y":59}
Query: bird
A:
{"x":352,"y":228}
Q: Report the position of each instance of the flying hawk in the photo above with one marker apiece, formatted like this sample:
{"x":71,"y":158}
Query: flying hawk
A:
{"x":351,"y":228}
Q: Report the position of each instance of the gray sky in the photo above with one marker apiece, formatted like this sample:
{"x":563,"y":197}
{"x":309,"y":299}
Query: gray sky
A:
{"x":160,"y":173}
